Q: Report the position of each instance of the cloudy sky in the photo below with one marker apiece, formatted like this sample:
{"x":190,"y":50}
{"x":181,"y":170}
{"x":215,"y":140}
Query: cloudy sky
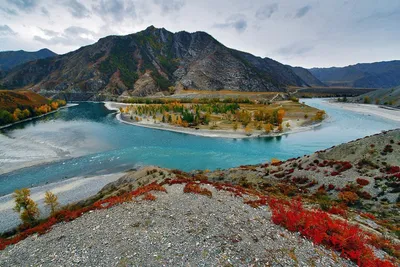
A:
{"x":296,"y":32}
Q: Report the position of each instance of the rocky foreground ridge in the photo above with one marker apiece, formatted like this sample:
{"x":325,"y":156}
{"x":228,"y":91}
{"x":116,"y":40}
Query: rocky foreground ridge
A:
{"x":148,"y":62}
{"x":251,"y":215}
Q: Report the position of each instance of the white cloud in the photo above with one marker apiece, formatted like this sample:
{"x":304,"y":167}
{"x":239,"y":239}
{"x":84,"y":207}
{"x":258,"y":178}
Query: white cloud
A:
{"x":311,"y":33}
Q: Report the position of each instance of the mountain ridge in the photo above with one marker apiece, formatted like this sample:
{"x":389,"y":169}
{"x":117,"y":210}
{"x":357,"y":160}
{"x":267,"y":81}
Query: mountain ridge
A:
{"x":11,"y":59}
{"x":148,"y":62}
{"x":383,"y":74}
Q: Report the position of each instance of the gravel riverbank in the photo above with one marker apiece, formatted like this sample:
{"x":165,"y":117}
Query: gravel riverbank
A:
{"x":68,"y":191}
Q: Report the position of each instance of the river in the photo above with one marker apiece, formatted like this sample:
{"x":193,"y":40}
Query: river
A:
{"x":88,"y":140}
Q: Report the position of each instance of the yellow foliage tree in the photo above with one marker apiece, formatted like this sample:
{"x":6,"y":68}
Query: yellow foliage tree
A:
{"x":25,"y":206}
{"x":51,"y":201}
{"x":248,"y":130}
{"x":280,"y":128}
{"x":268,"y":127}
{"x":235,"y":126}
{"x":54,"y":105}
{"x":281,"y":114}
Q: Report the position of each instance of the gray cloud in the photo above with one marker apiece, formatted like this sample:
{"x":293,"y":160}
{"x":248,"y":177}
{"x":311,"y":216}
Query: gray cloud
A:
{"x":71,"y":36}
{"x":25,"y":5}
{"x":266,"y":11}
{"x":237,"y":22}
{"x":77,"y":9}
{"x":115,"y":10}
{"x":44,"y":11}
{"x":169,"y":6}
{"x":49,"y":33}
{"x":5,"y":30}
{"x":301,"y":12}
{"x":294,"y":50}
{"x":9,"y":11}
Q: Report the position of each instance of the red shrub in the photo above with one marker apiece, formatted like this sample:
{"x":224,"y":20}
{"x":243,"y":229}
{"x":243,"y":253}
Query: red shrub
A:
{"x":331,"y":187}
{"x":368,"y":215}
{"x":196,"y":189}
{"x":364,"y":195}
{"x":339,"y":210}
{"x":322,"y":229}
{"x":348,"y":197}
{"x":149,"y":197}
{"x":362,"y":182}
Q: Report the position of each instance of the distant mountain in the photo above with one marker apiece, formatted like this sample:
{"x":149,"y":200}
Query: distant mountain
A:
{"x":368,"y":75}
{"x":10,"y":59}
{"x":388,"y":97}
{"x":151,"y":61}
{"x":308,"y":77}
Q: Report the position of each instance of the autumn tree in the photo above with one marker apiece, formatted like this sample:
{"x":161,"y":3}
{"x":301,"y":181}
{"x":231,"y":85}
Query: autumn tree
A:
{"x":280,"y":128}
{"x":287,"y":125}
{"x":248,"y":130}
{"x":25,"y":206}
{"x":280,"y":115}
{"x":235,"y":126}
{"x":268,"y":128}
{"x":51,"y":202}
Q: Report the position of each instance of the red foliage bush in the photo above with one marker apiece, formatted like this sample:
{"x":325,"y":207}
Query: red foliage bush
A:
{"x":349,"y":240}
{"x":348,"y":197}
{"x":149,"y":197}
{"x":364,"y":195}
{"x":368,"y":215}
{"x":334,"y":173}
{"x":331,"y":187}
{"x":362,"y":182}
{"x":339,"y":210}
{"x":196,"y":189}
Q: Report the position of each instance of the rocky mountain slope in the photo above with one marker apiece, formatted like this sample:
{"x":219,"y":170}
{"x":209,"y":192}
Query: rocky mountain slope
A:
{"x":368,"y":75}
{"x":388,"y":97}
{"x":11,"y":59}
{"x":308,"y":77}
{"x":148,"y":62}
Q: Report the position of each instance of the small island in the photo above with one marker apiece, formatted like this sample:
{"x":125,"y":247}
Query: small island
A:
{"x":239,"y":117}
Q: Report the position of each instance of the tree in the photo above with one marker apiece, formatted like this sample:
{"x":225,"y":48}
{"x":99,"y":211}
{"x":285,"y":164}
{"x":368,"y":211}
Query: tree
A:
{"x":268,"y":128}
{"x":367,"y":100}
{"x":51,"y":202}
{"x":280,"y":115}
{"x":280,"y":128}
{"x":207,"y":118}
{"x":5,"y":117}
{"x":287,"y":125}
{"x":24,"y":205}
{"x":235,"y":126}
{"x":248,"y":130}
{"x":26,"y":113}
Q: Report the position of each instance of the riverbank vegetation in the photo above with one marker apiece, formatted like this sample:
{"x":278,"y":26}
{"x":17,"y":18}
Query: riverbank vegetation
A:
{"x":19,"y":105}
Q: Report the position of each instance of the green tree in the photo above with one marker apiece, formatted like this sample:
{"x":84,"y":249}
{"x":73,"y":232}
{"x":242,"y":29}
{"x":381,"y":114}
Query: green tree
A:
{"x":25,"y":206}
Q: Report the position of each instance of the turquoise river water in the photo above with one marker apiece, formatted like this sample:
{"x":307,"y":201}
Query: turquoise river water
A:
{"x":111,"y":146}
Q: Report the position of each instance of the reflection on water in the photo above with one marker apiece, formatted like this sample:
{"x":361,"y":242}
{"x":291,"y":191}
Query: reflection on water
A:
{"x":108,"y":145}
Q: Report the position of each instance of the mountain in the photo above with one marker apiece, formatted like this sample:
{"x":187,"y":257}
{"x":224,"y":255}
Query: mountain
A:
{"x":147,"y":62}
{"x":388,"y":97}
{"x":384,"y":74}
{"x":307,"y":77}
{"x":10,"y":59}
